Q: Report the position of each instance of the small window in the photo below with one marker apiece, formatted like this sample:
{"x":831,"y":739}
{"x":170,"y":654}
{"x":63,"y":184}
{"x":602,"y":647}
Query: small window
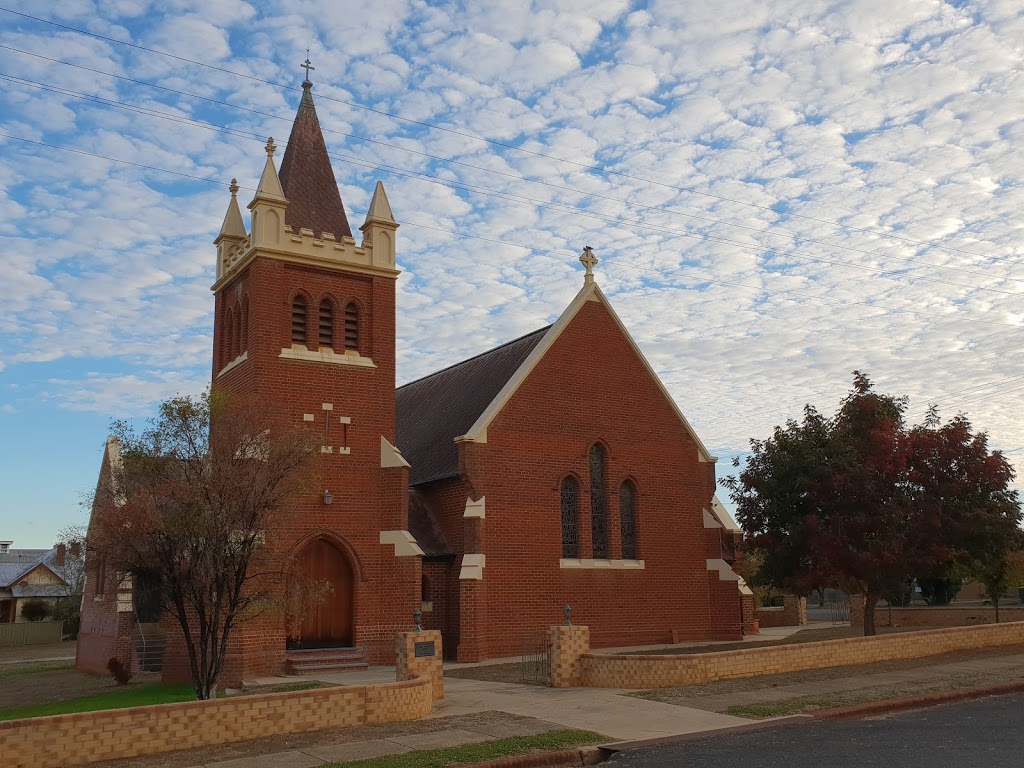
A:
{"x":352,"y":326}
{"x":425,"y":589}
{"x":298,"y":320}
{"x":598,"y":502}
{"x":570,"y":518}
{"x":627,"y":517}
{"x":326,"y":325}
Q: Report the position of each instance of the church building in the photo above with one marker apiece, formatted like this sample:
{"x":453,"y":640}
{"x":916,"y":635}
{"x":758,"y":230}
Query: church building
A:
{"x":554,"y":470}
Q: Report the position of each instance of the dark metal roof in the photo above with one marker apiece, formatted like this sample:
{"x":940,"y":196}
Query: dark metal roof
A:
{"x":307,"y":178}
{"x":434,"y":410}
{"x":424,"y":527}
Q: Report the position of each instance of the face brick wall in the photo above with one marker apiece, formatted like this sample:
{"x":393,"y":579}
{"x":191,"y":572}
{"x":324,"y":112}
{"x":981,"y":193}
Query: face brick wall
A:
{"x":66,"y":740}
{"x":366,"y":498}
{"x":590,"y":386}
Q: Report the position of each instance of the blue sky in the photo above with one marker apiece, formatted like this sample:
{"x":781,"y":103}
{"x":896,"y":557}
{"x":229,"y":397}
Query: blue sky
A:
{"x":779,"y":193}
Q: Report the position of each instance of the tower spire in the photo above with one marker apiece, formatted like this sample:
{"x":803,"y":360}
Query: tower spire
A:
{"x":307,"y":178}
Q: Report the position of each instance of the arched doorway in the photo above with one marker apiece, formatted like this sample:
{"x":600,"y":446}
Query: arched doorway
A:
{"x":328,"y":623}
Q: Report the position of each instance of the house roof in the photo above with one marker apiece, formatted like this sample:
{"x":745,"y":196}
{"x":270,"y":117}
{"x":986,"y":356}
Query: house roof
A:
{"x":434,"y":410}
{"x":307,"y":177}
{"x":15,"y":564}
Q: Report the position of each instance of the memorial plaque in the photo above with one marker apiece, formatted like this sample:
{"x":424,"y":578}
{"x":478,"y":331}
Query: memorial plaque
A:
{"x":423,"y":650}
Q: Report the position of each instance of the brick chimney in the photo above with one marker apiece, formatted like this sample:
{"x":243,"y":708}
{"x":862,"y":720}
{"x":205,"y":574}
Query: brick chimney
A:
{"x":59,"y":559}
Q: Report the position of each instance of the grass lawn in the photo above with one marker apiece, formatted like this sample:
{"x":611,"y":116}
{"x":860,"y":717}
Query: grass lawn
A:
{"x":475,"y":753}
{"x":116,"y":698}
{"x":14,"y":670}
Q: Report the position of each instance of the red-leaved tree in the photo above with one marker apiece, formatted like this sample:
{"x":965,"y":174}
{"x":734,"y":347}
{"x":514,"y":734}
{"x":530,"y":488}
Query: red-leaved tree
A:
{"x":190,"y":504}
{"x":861,"y":501}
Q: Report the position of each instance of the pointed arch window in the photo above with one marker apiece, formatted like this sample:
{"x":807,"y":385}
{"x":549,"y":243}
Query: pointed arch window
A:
{"x":570,"y":518}
{"x":598,"y":502}
{"x":299,"y":320}
{"x":627,"y":517}
{"x":351,"y":326}
{"x":326,"y":324}
{"x":245,"y":323}
{"x":236,"y":338}
{"x":229,"y":335}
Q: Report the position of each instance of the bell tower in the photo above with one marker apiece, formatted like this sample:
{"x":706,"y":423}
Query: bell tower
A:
{"x":305,"y":321}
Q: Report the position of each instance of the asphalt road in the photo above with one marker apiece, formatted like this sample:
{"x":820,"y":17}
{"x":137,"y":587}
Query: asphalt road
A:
{"x":984,"y":733}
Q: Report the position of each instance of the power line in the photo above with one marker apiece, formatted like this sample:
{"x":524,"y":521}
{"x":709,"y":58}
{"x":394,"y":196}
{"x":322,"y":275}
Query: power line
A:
{"x":493,"y":142}
{"x":885,"y":274}
{"x":797,"y":239}
{"x":710,"y":280}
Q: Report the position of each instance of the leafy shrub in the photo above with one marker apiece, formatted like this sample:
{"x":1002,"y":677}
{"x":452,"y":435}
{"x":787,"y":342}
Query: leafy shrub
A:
{"x":118,"y":671}
{"x":35,"y":610}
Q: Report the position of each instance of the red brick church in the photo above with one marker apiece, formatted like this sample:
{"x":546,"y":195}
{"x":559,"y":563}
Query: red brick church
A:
{"x":554,"y":469}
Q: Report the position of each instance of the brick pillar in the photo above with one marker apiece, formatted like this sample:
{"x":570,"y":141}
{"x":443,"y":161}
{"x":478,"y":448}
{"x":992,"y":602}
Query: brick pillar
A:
{"x":857,"y":611}
{"x":795,"y":610}
{"x":409,"y":666}
{"x":568,"y":644}
{"x":747,"y":611}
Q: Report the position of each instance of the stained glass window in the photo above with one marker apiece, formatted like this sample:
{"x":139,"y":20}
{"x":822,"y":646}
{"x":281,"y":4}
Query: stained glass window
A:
{"x":570,"y":518}
{"x":598,"y":502}
{"x":627,"y":516}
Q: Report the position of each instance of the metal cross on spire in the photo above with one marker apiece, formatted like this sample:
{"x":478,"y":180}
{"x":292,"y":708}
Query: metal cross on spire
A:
{"x":308,"y":66}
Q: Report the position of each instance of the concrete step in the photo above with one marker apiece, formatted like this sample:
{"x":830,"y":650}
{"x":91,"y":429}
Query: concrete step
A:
{"x":325,"y":659}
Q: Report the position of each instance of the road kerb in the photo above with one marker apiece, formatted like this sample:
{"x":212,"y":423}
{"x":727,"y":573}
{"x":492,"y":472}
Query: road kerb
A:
{"x":580,"y":756}
{"x":916,"y":702}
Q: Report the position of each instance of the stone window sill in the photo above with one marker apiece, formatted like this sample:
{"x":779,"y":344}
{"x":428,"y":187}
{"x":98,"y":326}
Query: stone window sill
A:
{"x":327,"y":355}
{"x":612,"y":565}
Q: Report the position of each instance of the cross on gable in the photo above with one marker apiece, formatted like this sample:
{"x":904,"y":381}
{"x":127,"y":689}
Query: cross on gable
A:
{"x":307,"y":65}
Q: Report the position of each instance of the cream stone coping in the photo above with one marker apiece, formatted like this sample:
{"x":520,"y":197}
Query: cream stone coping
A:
{"x":478,"y":432}
{"x":390,"y":456}
{"x":272,"y":238}
{"x":234,"y":363}
{"x":592,"y":564}
{"x":710,"y":521}
{"x":724,"y":570}
{"x":473,"y":567}
{"x":476,"y":508}
{"x":325,"y":355}
{"x":722,"y":514}
{"x":404,"y":543}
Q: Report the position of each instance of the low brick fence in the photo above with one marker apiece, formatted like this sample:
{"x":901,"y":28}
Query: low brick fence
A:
{"x":928,"y":616}
{"x":88,"y":737}
{"x":572,"y":666}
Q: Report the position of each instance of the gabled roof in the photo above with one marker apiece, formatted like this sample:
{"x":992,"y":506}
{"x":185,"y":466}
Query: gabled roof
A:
{"x":16,"y":564}
{"x":307,"y":178}
{"x":590,"y":292}
{"x":434,"y":410}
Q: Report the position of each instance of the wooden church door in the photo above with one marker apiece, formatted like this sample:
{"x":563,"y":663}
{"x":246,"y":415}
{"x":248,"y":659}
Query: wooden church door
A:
{"x":330,"y":623}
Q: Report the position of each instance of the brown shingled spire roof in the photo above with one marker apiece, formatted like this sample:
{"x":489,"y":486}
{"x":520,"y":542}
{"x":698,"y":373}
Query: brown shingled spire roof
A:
{"x":307,"y":177}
